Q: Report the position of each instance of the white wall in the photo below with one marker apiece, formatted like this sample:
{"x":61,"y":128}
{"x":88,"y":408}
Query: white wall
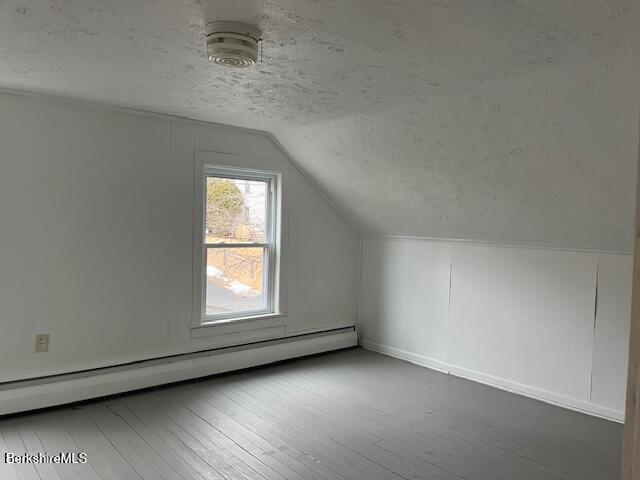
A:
{"x":611,"y":339}
{"x":96,"y":215}
{"x":518,"y":318}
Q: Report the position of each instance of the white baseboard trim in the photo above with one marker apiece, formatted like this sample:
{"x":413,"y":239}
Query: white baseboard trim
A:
{"x":94,"y":385}
{"x":497,"y":382}
{"x":421,"y":360}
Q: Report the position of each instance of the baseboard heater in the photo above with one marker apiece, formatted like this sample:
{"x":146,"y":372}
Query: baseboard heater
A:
{"x":26,"y":395}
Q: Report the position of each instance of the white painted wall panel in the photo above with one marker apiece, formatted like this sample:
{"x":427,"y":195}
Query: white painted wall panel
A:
{"x":88,"y":236}
{"x":524,"y":315}
{"x":405,"y":295}
{"x":324,"y":257}
{"x":610,"y":357}
{"x":520,"y":319}
{"x":96,"y":214}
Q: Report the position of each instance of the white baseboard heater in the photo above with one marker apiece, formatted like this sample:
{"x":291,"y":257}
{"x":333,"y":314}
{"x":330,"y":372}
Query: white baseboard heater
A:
{"x":21,"y":396}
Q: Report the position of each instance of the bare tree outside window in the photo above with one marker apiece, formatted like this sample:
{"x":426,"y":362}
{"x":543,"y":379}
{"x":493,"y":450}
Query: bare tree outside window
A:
{"x":225,"y":204}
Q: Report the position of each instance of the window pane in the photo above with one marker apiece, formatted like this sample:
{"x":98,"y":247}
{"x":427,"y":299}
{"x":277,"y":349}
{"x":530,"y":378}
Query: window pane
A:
{"x":234,"y":280}
{"x":236,"y":211}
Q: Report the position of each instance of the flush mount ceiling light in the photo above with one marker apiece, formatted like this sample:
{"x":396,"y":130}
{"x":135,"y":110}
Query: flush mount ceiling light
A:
{"x":232,"y":44}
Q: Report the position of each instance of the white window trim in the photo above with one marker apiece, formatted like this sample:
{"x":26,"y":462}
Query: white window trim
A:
{"x":214,"y":165}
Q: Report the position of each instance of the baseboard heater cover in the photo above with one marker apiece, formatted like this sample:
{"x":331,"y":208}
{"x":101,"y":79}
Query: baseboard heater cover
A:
{"x":64,"y":389}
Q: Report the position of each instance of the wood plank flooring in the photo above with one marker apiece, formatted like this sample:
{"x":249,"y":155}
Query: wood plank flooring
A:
{"x":349,"y":415}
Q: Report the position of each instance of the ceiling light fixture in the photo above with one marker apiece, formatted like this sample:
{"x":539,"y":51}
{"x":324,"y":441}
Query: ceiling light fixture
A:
{"x":232,"y":44}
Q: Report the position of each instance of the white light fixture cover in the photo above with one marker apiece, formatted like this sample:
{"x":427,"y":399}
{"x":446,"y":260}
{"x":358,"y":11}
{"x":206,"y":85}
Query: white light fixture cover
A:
{"x":232,"y":44}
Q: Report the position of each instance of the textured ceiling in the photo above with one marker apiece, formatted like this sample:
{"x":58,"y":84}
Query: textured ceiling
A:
{"x":500,"y":120}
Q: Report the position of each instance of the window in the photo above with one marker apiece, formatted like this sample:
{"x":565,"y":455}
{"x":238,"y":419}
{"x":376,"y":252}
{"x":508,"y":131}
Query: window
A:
{"x":238,"y":240}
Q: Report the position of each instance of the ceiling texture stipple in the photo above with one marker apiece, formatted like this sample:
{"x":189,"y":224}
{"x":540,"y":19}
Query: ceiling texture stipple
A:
{"x":505,"y":120}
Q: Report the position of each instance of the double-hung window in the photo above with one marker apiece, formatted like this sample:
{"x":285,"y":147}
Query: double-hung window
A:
{"x":238,"y":243}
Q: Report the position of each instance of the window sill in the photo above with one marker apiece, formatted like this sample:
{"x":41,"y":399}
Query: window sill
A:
{"x":238,"y":324}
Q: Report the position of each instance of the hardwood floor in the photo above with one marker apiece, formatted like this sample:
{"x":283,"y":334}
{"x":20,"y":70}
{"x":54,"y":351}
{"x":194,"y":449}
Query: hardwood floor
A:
{"x":349,"y":415}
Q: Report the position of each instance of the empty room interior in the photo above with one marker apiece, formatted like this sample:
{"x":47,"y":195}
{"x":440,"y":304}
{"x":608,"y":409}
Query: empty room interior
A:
{"x":319,"y":239}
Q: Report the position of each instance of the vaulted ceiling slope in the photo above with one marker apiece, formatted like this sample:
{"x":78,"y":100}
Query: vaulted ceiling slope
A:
{"x":499,"y":120}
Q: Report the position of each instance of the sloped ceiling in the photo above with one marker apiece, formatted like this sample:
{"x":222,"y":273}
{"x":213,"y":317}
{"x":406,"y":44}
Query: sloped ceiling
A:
{"x":499,"y":120}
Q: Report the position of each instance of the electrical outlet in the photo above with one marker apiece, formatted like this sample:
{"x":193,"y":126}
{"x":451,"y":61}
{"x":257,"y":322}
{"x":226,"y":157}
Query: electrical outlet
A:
{"x":42,"y":342}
